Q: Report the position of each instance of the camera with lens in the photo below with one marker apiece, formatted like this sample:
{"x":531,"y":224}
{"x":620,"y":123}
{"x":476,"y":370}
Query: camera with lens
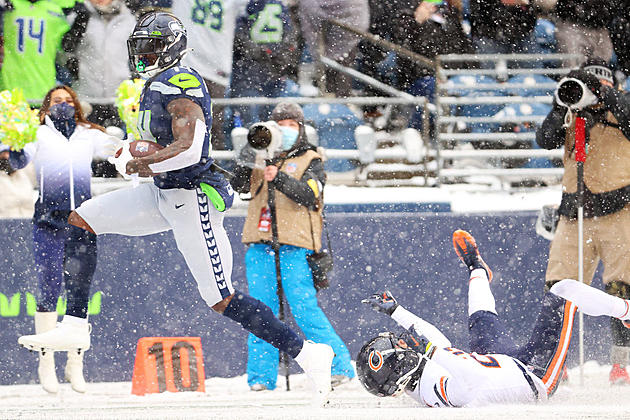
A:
{"x":265,"y":136}
{"x":574,"y":94}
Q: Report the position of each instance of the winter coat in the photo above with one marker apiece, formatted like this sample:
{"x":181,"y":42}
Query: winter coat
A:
{"x":62,"y":166}
{"x":606,"y":170}
{"x":492,"y":19}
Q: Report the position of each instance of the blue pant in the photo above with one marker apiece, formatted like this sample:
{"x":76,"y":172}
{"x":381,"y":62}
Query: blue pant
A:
{"x":48,"y":245}
{"x":546,"y":347}
{"x":297,"y":284}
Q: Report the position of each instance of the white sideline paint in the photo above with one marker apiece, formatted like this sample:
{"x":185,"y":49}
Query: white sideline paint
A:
{"x":230,"y":398}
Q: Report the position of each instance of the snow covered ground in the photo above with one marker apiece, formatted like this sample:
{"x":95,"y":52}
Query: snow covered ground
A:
{"x":231,"y":399}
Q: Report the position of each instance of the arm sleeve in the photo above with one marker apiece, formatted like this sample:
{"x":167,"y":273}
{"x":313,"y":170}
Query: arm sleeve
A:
{"x":551,"y":133}
{"x":618,"y":103}
{"x":306,"y":190}
{"x":406,"y":319}
{"x":20,"y":159}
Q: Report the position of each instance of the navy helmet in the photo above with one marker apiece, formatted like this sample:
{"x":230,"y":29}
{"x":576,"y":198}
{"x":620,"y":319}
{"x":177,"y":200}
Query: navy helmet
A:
{"x":157,"y":42}
{"x":386,"y":365}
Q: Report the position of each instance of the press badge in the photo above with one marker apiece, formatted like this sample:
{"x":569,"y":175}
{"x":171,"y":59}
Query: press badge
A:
{"x":264,"y":223}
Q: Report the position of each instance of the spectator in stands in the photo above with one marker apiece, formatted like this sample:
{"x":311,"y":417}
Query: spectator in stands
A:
{"x":63,"y":149}
{"x":429,"y":28}
{"x":265,"y":56}
{"x":503,"y":27}
{"x":101,"y":51}
{"x":619,"y":29}
{"x":339,"y":44}
{"x":33,"y":34}
{"x":298,"y":177}
{"x":581,"y":28}
{"x":211,"y":28}
{"x":16,"y":187}
{"x":607,"y":197}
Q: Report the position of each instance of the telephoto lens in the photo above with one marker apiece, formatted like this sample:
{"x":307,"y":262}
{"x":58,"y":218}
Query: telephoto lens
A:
{"x":570,"y":92}
{"x":259,"y":136}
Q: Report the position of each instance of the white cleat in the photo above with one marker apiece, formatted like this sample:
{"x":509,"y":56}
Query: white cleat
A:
{"x":66,"y":336}
{"x":316,"y":361}
{"x":74,"y":371}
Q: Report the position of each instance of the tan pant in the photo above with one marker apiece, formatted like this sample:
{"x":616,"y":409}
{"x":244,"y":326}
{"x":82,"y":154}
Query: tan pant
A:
{"x":605,"y":238}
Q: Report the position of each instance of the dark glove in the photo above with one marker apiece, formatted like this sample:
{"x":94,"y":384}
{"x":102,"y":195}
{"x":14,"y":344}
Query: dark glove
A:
{"x":382,"y":302}
{"x":246,"y":157}
{"x":414,"y":341}
{"x":590,"y":80}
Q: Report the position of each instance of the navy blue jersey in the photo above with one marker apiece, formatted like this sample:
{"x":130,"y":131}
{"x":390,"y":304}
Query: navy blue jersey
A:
{"x":155,"y":123}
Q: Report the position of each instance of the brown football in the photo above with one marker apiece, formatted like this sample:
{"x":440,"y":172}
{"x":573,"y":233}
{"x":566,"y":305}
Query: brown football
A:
{"x":142,"y":148}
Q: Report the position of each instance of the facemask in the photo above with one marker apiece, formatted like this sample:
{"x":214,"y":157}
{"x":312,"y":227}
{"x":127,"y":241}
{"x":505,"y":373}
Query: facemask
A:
{"x":62,"y":115}
{"x":289,"y":137}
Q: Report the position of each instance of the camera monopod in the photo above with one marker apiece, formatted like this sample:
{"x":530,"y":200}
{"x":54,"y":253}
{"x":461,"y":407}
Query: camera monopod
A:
{"x":275,"y":245}
{"x":580,"y":158}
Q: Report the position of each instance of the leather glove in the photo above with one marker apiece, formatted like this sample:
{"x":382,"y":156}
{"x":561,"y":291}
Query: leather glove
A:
{"x":383,"y":302}
{"x":590,"y":80}
{"x":414,"y":341}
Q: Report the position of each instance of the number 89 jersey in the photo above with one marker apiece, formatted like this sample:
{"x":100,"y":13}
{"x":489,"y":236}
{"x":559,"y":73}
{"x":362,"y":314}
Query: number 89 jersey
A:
{"x":155,"y":122}
{"x":453,"y":378}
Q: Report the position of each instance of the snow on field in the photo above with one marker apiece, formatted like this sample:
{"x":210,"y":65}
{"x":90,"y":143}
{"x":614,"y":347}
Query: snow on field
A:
{"x":231,"y":399}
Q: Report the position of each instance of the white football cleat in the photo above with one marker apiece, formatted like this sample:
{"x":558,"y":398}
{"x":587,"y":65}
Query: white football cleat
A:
{"x":46,"y":321}
{"x":67,"y":336}
{"x":316,"y":361}
{"x":74,"y":371}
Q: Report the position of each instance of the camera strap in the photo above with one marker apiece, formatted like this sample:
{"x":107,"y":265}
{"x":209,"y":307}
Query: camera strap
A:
{"x":325,"y":227}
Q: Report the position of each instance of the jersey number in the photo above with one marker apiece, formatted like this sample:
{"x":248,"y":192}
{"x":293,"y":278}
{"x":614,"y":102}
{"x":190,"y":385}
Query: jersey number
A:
{"x":157,"y":351}
{"x":208,"y":13}
{"x":268,"y":26}
{"x":483,"y":360}
{"x":37,"y":36}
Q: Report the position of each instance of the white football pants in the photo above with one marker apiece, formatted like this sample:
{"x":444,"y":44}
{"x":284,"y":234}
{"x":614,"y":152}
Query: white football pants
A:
{"x":196,"y":224}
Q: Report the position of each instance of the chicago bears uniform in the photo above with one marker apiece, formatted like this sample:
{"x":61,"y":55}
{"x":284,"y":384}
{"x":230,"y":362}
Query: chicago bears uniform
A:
{"x":422,"y":362}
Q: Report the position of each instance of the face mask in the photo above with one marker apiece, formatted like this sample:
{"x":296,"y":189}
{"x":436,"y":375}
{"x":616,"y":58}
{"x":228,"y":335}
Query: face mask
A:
{"x":289,"y":137}
{"x":62,"y":112}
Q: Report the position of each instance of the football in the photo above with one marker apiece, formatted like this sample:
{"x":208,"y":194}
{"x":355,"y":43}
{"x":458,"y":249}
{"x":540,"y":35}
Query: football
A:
{"x":141,"y":148}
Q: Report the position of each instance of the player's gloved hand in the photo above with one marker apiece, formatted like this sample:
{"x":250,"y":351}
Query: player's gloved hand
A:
{"x":382,"y":302}
{"x":590,"y":80}
{"x":414,"y":341}
{"x":120,"y":161}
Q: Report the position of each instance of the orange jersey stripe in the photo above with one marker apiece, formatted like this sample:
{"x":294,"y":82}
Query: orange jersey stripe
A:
{"x":554,"y":370}
{"x":442,"y":390}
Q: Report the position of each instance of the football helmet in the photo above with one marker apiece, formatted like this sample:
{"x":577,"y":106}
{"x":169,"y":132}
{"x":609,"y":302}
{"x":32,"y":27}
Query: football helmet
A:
{"x":157,"y":42}
{"x":386,"y":365}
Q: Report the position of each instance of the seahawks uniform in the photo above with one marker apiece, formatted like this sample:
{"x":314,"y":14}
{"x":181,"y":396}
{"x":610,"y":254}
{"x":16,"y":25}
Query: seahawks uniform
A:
{"x":176,"y":199}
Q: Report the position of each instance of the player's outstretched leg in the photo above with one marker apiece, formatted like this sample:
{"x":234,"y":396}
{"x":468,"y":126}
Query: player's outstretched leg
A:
{"x":314,"y":358}
{"x":467,"y":251}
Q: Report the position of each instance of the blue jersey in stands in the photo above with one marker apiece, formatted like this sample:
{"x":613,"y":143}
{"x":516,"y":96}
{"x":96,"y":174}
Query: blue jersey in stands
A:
{"x":154,"y":123}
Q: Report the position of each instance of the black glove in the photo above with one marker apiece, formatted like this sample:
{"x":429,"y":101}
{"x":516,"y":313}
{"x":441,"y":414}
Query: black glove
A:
{"x":246,"y":157}
{"x":414,"y":341}
{"x":590,"y":80}
{"x":382,"y":302}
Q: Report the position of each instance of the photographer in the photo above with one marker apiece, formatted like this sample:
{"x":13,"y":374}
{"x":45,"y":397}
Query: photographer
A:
{"x":606,"y":190}
{"x":295,"y":171}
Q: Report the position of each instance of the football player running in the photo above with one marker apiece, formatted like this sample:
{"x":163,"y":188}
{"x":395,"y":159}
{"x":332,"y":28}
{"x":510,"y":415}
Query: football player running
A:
{"x":422,"y":362}
{"x":188,"y":196}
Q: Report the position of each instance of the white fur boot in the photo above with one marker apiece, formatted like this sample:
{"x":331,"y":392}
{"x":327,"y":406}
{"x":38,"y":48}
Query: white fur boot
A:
{"x":46,"y":321}
{"x":74,"y":371}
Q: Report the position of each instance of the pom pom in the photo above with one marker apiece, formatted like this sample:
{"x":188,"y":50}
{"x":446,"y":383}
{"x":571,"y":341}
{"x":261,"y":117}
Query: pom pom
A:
{"x":128,"y":104}
{"x":18,"y":122}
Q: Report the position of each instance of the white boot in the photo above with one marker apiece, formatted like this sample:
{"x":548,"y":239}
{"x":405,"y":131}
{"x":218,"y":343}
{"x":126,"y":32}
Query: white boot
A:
{"x":70,"y":334}
{"x":316,"y":361}
{"x":74,"y":371}
{"x":46,"y":321}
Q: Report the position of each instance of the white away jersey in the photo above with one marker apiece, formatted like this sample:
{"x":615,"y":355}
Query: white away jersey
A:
{"x":454,"y":378}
